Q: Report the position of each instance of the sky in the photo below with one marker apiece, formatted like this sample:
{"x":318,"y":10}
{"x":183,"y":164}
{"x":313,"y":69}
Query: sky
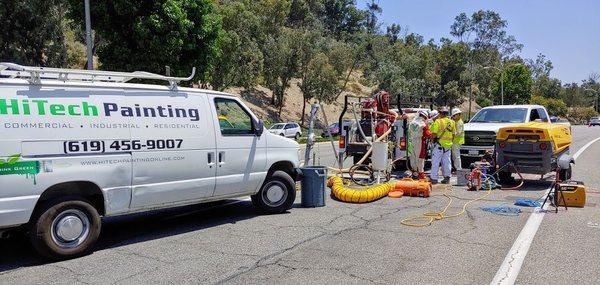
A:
{"x":567,"y":32}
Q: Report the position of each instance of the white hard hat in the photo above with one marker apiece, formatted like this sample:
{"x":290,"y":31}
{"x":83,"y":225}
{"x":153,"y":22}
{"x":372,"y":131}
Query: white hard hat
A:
{"x":456,"y":111}
{"x":423,"y":113}
{"x":433,"y":114}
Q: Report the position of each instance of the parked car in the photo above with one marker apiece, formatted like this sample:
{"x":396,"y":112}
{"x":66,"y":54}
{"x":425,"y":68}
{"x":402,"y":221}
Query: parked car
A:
{"x":481,"y":130}
{"x":334,"y":129}
{"x":76,"y":145}
{"x":595,"y":121}
{"x":560,"y":121}
{"x":288,"y":130}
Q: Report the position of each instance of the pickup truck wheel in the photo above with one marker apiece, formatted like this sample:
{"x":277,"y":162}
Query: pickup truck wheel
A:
{"x":65,"y":228}
{"x":565,"y":174}
{"x":277,"y":194}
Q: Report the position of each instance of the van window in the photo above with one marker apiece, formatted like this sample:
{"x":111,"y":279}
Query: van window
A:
{"x":233,"y":119}
{"x":289,"y":126}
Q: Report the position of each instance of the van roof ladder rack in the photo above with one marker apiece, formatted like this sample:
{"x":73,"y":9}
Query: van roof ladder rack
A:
{"x":36,"y":74}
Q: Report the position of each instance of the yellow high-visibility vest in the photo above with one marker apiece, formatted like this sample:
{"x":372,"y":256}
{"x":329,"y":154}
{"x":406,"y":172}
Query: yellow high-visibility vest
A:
{"x":444,"y":129}
{"x":459,"y":136}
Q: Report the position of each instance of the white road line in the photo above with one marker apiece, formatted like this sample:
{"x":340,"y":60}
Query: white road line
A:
{"x":580,"y":151}
{"x":511,"y":266}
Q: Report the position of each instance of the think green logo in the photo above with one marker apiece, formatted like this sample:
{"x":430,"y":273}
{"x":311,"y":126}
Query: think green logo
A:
{"x":12,"y":166}
{"x":42,"y":107}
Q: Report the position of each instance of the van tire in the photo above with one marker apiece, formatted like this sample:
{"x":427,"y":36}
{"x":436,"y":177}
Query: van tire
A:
{"x":73,"y":210}
{"x":279,"y":187}
{"x":297,"y":136}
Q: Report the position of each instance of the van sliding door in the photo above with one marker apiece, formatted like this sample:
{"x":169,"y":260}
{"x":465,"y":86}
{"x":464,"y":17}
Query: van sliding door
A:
{"x":173,"y":149}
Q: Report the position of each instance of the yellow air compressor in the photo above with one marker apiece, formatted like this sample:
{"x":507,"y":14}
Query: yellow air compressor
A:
{"x":534,"y":148}
{"x":573,"y":193}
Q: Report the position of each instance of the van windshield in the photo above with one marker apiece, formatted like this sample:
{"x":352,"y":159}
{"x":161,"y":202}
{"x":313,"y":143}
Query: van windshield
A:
{"x":277,"y":126}
{"x":514,"y":115}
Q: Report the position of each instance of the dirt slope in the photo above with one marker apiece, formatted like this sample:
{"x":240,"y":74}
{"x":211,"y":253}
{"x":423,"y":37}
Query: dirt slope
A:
{"x":259,"y":100}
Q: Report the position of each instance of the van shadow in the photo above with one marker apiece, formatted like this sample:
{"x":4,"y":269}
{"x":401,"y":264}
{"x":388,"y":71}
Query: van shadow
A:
{"x":16,"y":252}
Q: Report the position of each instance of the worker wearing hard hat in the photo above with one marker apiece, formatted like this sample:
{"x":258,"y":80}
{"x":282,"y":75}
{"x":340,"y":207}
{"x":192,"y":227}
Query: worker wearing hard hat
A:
{"x":418,"y":130}
{"x":442,"y":129}
{"x":459,"y":137}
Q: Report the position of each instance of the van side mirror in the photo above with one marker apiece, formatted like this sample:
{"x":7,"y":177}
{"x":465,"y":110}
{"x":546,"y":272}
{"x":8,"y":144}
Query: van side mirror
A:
{"x":259,"y":128}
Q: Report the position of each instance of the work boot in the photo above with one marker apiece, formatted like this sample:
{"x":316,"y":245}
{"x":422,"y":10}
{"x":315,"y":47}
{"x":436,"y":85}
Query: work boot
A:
{"x":434,"y":182}
{"x":446,"y":180}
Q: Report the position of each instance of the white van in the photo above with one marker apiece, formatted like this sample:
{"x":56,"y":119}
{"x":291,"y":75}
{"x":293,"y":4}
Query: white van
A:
{"x":76,"y":145}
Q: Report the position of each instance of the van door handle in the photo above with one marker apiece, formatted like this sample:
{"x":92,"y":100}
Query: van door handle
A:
{"x":210,"y":159}
{"x":221,"y":158}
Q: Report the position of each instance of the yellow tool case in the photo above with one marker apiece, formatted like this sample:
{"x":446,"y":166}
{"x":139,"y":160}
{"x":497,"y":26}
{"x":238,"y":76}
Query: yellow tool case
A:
{"x":574,"y":193}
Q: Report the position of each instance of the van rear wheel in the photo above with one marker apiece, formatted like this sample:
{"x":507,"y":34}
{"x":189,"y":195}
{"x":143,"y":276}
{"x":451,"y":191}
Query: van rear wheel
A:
{"x":65,"y":228}
{"x":277,"y":194}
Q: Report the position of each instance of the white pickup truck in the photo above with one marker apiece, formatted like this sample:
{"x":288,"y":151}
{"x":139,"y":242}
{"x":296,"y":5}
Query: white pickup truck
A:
{"x":481,"y":130}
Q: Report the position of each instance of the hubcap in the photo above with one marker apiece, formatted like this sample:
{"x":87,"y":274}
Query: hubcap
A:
{"x":70,"y":228}
{"x":275,"y":194}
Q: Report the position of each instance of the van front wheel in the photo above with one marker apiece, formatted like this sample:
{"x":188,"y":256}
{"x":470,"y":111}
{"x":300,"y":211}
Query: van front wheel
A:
{"x":65,"y":228}
{"x":277,"y":194}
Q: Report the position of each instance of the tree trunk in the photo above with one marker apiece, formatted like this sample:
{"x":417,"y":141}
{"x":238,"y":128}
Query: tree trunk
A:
{"x":303,"y":110}
{"x":273,"y":91}
{"x":280,"y":108}
{"x":348,"y":77}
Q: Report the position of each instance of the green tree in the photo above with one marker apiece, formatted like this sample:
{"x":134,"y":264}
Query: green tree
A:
{"x":555,"y":107}
{"x":148,"y":35}
{"x":341,"y":17}
{"x":32,"y":32}
{"x":517,"y":85}
{"x":281,"y":63}
{"x":322,"y":80}
{"x":373,"y":9}
{"x":240,"y":61}
{"x":547,"y":87}
{"x":393,"y":32}
{"x":310,"y":45}
{"x":485,"y":30}
{"x":540,"y":67}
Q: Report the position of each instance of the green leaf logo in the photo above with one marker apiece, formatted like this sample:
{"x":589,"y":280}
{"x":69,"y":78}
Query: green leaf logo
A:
{"x":11,"y":160}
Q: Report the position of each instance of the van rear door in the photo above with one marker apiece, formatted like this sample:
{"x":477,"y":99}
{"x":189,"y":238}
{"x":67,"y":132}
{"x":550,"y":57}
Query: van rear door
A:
{"x":241,"y":155}
{"x":173,"y":149}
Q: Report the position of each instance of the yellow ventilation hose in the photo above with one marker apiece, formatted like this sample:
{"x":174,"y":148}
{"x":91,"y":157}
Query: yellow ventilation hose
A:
{"x":365,"y":195}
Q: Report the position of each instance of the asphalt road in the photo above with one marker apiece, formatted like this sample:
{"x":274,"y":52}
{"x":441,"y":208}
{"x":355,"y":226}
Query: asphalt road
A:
{"x":229,"y":242}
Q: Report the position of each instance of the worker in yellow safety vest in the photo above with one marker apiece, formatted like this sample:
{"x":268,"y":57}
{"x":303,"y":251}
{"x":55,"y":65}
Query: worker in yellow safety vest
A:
{"x":459,"y":137}
{"x":443,"y":129}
